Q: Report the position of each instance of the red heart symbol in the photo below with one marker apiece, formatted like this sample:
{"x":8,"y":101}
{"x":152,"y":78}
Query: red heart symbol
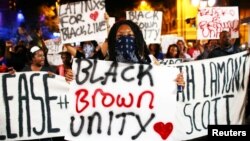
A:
{"x":163,"y":130}
{"x":94,"y":15}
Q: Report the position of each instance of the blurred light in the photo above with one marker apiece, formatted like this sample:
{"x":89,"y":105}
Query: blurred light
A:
{"x":20,"y":16}
{"x":244,"y":24}
{"x":243,"y":46}
{"x":211,"y":2}
{"x":144,"y":6}
{"x":143,"y":3}
{"x":56,"y":34}
{"x":203,"y":4}
{"x":195,"y":2}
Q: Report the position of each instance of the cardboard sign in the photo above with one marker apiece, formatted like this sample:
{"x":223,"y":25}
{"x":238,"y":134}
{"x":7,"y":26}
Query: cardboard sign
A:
{"x":81,"y":21}
{"x":54,"y":47}
{"x":213,"y":20}
{"x":149,"y":22}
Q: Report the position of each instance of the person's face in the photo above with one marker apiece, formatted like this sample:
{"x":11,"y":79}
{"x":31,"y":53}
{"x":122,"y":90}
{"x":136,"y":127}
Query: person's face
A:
{"x":153,"y":47}
{"x":124,"y":30}
{"x":64,"y":58}
{"x":225,"y":39}
{"x":180,"y":45}
{"x":38,"y":58}
{"x":173,"y":51}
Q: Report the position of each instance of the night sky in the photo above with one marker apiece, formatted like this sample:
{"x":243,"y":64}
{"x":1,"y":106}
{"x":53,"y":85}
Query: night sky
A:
{"x":115,"y":8}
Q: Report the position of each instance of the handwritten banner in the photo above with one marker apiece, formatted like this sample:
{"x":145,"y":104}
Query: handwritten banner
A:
{"x":215,"y":93}
{"x":117,"y":101}
{"x":121,"y":102}
{"x":149,"y":23}
{"x":171,"y":61}
{"x":54,"y":47}
{"x":213,"y":20}
{"x":32,"y":106}
{"x":81,"y":21}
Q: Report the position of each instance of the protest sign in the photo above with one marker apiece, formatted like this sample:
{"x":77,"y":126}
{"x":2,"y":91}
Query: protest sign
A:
{"x":170,"y":61}
{"x":82,"y":21}
{"x":149,"y":22}
{"x":167,"y":40}
{"x":213,"y":20}
{"x":54,"y":47}
{"x":117,"y":101}
{"x":121,"y":101}
{"x":32,"y":105}
{"x":215,"y":94}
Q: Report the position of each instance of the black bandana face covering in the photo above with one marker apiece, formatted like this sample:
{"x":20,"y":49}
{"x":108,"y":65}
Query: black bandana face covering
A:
{"x":125,"y":49}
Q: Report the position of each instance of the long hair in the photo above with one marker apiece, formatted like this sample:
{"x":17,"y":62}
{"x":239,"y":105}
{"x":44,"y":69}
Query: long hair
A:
{"x":142,"y":51}
{"x":168,"y":55}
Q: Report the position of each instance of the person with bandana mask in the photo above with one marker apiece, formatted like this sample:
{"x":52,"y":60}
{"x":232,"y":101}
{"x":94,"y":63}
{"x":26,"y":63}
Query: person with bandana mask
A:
{"x":125,"y":43}
{"x":89,"y":49}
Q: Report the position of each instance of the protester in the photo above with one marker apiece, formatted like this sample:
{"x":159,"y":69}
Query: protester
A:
{"x":3,"y":62}
{"x":208,"y":47}
{"x":126,"y":44}
{"x":37,"y":59}
{"x":183,"y":51}
{"x":173,"y":51}
{"x":18,"y":57}
{"x":67,"y":63}
{"x":225,"y":46}
{"x":156,"y":50}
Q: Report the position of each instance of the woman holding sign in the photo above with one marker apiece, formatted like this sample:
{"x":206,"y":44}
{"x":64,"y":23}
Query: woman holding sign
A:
{"x":126,"y":44}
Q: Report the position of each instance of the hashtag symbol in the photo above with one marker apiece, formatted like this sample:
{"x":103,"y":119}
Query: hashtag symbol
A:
{"x":65,"y":102}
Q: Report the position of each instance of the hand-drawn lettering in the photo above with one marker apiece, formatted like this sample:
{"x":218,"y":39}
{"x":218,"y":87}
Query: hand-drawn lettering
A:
{"x":42,"y":104}
{"x":143,"y":72}
{"x":100,"y":126}
{"x":23,"y":96}
{"x":195,"y":112}
{"x":91,"y":120}
{"x":7,"y":98}
{"x":82,"y":98}
{"x":85,"y":66}
{"x":49,"y":98}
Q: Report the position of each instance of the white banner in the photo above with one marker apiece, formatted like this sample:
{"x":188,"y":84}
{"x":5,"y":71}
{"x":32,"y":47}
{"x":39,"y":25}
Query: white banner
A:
{"x":81,"y":21}
{"x":170,"y":61}
{"x":121,"y":101}
{"x":215,"y":94}
{"x":109,"y":101}
{"x":149,"y":23}
{"x":32,"y":105}
{"x":212,"y":20}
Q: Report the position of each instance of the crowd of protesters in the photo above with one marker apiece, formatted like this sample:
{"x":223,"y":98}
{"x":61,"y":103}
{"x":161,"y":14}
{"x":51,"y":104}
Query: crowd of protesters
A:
{"x":29,"y":52}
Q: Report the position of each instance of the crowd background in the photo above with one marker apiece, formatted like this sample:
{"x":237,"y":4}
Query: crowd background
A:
{"x":28,"y":52}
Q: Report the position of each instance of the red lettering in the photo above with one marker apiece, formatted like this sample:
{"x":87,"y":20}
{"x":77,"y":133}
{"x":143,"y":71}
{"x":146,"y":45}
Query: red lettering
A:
{"x":82,"y":100}
{"x":122,"y":103}
{"x":140,"y":98}
{"x":108,"y":99}
{"x":105,"y":96}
